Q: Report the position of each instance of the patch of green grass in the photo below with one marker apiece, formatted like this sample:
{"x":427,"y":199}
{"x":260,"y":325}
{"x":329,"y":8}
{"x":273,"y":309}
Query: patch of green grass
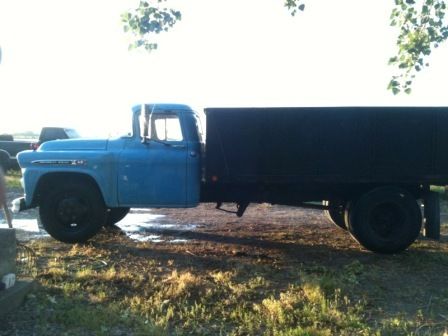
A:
{"x":12,"y":178}
{"x":78,"y":316}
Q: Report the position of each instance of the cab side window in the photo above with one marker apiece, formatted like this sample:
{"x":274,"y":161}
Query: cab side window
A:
{"x":166,"y":127}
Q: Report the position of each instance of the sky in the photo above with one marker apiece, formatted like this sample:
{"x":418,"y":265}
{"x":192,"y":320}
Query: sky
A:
{"x":67,"y":63}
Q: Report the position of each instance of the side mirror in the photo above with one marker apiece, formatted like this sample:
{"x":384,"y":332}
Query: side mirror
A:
{"x":144,"y":123}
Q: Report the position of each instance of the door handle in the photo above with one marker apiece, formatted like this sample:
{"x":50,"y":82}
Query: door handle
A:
{"x":177,"y":146}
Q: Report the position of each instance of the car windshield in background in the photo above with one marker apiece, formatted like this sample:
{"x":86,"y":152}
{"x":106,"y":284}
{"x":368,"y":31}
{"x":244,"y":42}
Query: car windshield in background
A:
{"x":71,"y":133}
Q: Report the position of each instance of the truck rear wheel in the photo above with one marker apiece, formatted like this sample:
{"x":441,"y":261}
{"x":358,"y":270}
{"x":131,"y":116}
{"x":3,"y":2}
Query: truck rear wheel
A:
{"x":72,"y":213}
{"x":385,"y":220}
{"x":336,"y":213}
{"x":114,"y":215}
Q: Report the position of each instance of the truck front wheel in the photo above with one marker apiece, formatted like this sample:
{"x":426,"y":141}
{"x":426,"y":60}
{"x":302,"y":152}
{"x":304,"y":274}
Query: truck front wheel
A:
{"x":385,"y":220}
{"x":73,"y":213}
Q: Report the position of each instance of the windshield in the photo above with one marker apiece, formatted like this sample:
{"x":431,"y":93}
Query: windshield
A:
{"x":71,"y":133}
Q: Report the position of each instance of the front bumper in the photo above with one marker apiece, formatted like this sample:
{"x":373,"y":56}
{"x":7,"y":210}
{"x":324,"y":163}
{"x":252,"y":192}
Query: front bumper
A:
{"x":18,"y":205}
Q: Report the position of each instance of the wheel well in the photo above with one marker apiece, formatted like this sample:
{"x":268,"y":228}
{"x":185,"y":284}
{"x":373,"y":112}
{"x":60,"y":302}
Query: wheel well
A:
{"x":417,"y":191}
{"x":51,"y":180}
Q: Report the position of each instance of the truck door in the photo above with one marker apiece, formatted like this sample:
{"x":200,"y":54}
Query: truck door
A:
{"x":153,"y":172}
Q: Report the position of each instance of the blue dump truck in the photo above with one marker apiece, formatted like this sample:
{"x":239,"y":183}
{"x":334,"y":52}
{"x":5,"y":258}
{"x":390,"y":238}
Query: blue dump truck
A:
{"x":369,"y":168}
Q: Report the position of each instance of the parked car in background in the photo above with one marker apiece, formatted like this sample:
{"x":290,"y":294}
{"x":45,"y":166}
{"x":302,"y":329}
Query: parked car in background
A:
{"x":9,"y":147}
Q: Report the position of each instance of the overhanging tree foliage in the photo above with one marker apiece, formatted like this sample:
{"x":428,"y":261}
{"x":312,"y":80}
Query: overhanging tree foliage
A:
{"x":147,"y":19}
{"x":421,"y":24}
{"x":422,"y":27}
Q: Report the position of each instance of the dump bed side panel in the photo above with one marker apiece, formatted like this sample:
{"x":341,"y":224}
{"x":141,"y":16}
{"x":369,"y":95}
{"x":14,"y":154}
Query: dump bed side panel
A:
{"x":441,"y":144}
{"x":403,"y":143}
{"x":337,"y":145}
{"x":283,"y":144}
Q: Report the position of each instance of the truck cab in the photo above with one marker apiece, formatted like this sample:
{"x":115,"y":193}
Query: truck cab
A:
{"x":161,"y":165}
{"x":81,"y":185}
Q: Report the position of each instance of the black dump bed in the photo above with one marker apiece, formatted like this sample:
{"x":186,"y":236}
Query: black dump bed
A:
{"x":336,"y":145}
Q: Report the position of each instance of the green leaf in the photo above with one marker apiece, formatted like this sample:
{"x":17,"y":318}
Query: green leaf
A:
{"x":393,"y":60}
{"x":393,"y":84}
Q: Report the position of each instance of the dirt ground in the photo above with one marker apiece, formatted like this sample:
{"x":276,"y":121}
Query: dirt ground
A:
{"x":273,"y":232}
{"x":259,"y":225}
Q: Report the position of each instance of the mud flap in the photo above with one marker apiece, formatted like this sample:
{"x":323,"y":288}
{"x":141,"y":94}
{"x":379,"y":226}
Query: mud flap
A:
{"x":432,"y":215}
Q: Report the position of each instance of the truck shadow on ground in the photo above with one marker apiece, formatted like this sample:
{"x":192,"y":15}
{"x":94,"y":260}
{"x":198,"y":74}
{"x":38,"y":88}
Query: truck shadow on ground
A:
{"x":282,"y":234}
{"x":228,"y":248}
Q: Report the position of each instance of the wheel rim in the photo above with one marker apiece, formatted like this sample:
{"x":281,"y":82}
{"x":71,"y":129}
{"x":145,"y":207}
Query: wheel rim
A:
{"x":386,"y":219}
{"x":72,"y":212}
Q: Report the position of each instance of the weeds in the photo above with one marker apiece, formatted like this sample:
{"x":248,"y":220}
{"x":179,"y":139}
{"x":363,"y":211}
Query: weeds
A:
{"x":13,"y":179}
{"x":149,"y":297}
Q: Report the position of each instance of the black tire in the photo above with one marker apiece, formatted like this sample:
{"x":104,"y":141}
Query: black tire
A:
{"x":114,"y":215}
{"x":72,"y":213}
{"x":335,"y":213}
{"x":432,"y":215}
{"x":385,"y":220}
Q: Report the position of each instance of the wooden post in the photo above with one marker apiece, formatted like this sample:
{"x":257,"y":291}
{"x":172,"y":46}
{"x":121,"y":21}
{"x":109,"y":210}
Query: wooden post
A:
{"x":3,"y":202}
{"x":8,"y":250}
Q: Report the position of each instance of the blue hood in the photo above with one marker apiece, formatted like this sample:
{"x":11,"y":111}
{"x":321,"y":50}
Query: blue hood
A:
{"x":75,"y":144}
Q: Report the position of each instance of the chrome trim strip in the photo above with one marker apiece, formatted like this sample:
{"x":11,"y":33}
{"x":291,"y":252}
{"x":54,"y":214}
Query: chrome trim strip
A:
{"x":61,"y":162}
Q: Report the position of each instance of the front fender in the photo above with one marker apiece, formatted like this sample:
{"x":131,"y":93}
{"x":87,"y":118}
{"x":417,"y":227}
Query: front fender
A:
{"x":43,"y":171}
